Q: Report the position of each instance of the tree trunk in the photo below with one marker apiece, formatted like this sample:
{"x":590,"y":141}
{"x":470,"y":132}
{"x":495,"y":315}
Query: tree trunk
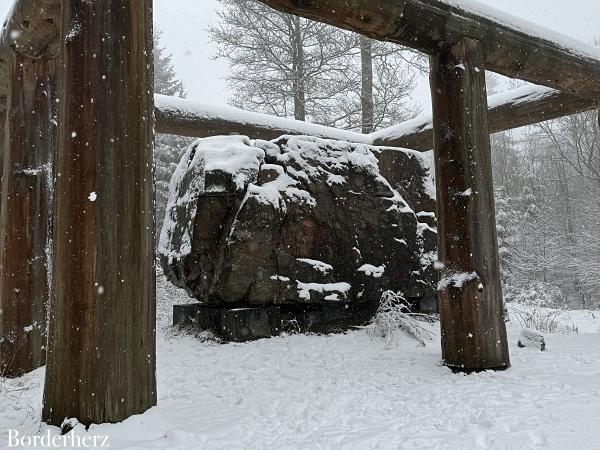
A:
{"x":470,"y":292}
{"x":298,"y":65}
{"x":567,"y":212}
{"x":101,"y":347}
{"x":366,"y":96}
{"x":25,"y":215}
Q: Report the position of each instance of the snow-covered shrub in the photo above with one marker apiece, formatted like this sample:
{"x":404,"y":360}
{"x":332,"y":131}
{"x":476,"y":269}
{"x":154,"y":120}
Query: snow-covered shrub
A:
{"x":543,"y":320}
{"x":394,"y":320}
{"x":536,"y":294}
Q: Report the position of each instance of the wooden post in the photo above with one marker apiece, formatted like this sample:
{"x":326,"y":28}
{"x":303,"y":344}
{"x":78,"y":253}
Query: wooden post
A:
{"x":2,"y":147}
{"x":25,"y":215}
{"x":101,"y":346}
{"x":470,"y":292}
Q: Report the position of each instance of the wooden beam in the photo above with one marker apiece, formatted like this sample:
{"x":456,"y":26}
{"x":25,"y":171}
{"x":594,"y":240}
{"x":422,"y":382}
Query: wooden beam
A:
{"x":196,"y":119}
{"x":517,"y":108}
{"x":470,"y":292}
{"x":539,"y":56}
{"x":25,"y":215}
{"x":101,"y":345}
{"x":512,"y":47}
{"x":508,"y":110}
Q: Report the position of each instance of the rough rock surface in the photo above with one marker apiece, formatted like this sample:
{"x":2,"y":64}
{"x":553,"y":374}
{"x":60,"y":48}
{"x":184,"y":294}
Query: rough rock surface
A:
{"x":299,"y":220}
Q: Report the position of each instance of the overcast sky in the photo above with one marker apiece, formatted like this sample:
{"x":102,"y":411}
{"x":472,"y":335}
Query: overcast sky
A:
{"x":184,"y":24}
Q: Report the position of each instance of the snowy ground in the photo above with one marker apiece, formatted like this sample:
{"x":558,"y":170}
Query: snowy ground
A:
{"x":349,"y":392}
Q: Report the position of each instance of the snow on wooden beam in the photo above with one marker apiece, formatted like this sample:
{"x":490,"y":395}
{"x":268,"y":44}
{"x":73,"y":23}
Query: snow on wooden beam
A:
{"x":199,"y":119}
{"x":508,"y":110}
{"x":512,"y":109}
{"x":511,"y":46}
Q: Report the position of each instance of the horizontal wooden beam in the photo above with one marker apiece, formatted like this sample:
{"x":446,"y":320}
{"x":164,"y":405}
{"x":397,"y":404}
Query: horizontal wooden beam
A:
{"x":199,"y":119}
{"x":511,"y":46}
{"x":513,"y":109}
{"x":32,"y":28}
{"x":508,"y":110}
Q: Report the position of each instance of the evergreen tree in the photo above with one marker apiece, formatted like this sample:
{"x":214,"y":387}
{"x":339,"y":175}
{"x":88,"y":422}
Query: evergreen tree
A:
{"x":165,"y":78}
{"x":168,"y":149}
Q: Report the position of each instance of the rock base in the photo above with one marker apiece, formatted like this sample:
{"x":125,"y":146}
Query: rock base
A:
{"x":251,"y":323}
{"x":230,"y":324}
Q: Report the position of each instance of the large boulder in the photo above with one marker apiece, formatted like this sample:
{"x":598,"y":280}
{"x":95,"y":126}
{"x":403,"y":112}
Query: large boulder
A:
{"x":299,"y":220}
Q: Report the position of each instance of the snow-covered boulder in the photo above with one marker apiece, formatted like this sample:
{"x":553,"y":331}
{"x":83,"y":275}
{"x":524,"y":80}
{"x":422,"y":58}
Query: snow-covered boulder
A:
{"x":532,"y":338}
{"x":298,"y":220}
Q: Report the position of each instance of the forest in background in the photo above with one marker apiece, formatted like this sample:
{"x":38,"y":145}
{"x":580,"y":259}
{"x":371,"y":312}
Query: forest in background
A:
{"x":547,"y":177}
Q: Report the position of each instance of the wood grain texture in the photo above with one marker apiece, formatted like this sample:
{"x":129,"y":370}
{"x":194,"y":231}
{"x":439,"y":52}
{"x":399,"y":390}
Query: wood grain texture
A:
{"x":470,"y":292}
{"x":429,"y":25}
{"x":101,"y":355}
{"x":25,"y":215}
{"x":3,"y":125}
{"x":31,"y":29}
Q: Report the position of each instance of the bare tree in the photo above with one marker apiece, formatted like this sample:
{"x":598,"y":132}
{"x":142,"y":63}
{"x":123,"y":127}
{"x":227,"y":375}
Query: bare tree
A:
{"x":576,"y":140}
{"x":574,"y":146}
{"x":548,"y":185}
{"x":293,"y":67}
{"x":280,"y":64}
{"x":366,"y":94}
{"x":378,"y":87}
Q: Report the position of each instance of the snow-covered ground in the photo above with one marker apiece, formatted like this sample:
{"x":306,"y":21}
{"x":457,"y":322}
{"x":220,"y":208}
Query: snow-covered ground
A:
{"x":348,"y":392}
